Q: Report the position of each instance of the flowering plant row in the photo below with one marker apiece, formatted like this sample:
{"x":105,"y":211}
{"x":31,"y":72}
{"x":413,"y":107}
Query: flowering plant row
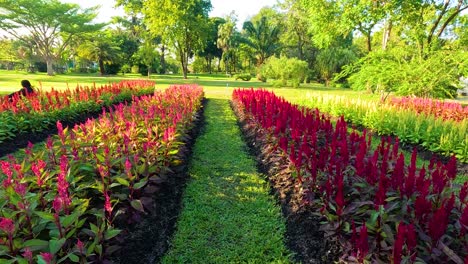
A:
{"x":445,"y":110}
{"x":39,"y":111}
{"x":62,"y":204}
{"x":377,"y":208}
{"x":447,"y":137}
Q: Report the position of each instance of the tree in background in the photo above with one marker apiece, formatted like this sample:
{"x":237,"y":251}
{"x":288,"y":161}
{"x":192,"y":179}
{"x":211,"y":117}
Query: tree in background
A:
{"x":413,"y":36}
{"x":100,"y":47}
{"x":50,"y":23}
{"x":183,"y":24}
{"x":225,"y":38}
{"x":262,"y":35}
{"x":211,"y":50}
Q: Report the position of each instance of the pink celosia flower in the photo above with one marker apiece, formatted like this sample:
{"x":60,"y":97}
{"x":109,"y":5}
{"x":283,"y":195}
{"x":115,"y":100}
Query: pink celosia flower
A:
{"x":27,"y":254}
{"x":7,"y":225}
{"x":48,"y":257}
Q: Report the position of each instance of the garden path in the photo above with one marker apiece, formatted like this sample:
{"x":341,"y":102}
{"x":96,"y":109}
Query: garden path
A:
{"x":228,"y":215}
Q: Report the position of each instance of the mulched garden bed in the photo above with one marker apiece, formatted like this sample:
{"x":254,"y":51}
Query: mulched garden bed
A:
{"x":148,"y":240}
{"x":303,"y":236}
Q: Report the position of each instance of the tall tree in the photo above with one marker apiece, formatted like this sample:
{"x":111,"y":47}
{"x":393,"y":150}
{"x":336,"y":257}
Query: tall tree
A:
{"x":182,"y":23}
{"x":102,"y":48}
{"x":51,"y":24}
{"x":211,"y":50}
{"x":263,"y":37}
{"x":225,"y":34}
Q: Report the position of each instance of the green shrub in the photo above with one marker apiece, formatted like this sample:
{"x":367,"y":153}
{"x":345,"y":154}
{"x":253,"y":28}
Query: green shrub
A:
{"x":261,"y":77}
{"x":409,"y":75}
{"x":243,"y":76}
{"x":285,"y":69}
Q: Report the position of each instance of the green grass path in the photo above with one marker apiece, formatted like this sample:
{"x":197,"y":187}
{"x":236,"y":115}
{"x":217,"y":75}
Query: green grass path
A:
{"x":228,"y":215}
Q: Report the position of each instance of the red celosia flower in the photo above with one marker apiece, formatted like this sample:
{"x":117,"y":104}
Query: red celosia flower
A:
{"x":57,"y":204}
{"x":48,"y":257}
{"x":28,"y":254}
{"x":80,"y":246}
{"x":7,"y":225}
{"x":21,"y":188}
{"x":438,"y":223}
{"x":411,"y":240}
{"x":399,"y":242}
{"x":107,"y":203}
{"x":363,"y":242}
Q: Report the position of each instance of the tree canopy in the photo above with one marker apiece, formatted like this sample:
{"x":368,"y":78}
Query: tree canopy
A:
{"x":51,"y":24}
{"x":183,"y":23}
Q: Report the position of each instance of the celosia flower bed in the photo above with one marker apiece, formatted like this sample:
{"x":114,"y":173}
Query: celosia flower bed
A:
{"x":374,"y":206}
{"x":443,"y":136}
{"x":61,"y":204}
{"x":39,"y":111}
{"x":445,"y":110}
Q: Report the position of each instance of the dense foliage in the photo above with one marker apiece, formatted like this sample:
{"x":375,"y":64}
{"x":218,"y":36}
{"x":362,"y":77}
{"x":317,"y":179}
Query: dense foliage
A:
{"x":285,"y":69}
{"x":62,"y":203}
{"x":375,"y":207}
{"x":39,"y":111}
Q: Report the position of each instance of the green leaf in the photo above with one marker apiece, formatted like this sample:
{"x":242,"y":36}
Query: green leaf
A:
{"x":35,"y":243}
{"x":140,"y":184}
{"x":45,"y":216}
{"x":70,"y":219}
{"x":56,"y":245}
{"x":137,"y":205}
{"x":110,"y":233}
{"x":74,"y":258}
{"x":122,"y":181}
{"x":21,"y":260}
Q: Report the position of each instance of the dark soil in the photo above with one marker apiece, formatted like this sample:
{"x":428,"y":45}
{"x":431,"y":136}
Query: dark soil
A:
{"x":303,"y":236}
{"x":148,"y":240}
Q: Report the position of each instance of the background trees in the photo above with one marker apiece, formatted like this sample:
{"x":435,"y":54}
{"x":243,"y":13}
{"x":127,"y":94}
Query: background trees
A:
{"x":51,"y":24}
{"x":408,"y":47}
{"x":184,"y":24}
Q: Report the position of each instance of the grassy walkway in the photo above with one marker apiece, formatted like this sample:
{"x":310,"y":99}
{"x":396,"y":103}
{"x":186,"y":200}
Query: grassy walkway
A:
{"x":228,"y":215}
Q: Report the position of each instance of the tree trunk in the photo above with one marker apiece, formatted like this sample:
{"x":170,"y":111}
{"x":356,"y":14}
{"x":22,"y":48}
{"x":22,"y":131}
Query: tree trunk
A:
{"x":183,"y":62}
{"x":163,"y":60}
{"x":101,"y":67}
{"x":369,"y":42}
{"x":386,"y":35}
{"x":149,"y":71}
{"x":50,"y":69}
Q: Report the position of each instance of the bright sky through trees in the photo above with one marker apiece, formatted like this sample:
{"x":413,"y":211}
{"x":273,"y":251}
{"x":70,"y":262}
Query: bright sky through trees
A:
{"x":243,"y":8}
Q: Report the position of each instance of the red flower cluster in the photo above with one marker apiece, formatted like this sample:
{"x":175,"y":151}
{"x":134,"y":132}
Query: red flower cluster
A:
{"x":357,"y":184}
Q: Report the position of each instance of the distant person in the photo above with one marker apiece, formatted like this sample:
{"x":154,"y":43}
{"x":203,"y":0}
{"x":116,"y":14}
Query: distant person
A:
{"x":25,"y":90}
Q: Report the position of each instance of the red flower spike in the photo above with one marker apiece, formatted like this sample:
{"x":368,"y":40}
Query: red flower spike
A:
{"x":411,"y":240}
{"x":399,"y":242}
{"x":363,"y":242}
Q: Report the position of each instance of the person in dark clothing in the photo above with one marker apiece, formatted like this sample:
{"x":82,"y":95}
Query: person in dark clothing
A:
{"x":27,"y":89}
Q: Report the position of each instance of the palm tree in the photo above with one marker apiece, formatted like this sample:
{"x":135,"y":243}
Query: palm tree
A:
{"x":263,"y":38}
{"x":224,"y":42}
{"x":101,"y":49}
